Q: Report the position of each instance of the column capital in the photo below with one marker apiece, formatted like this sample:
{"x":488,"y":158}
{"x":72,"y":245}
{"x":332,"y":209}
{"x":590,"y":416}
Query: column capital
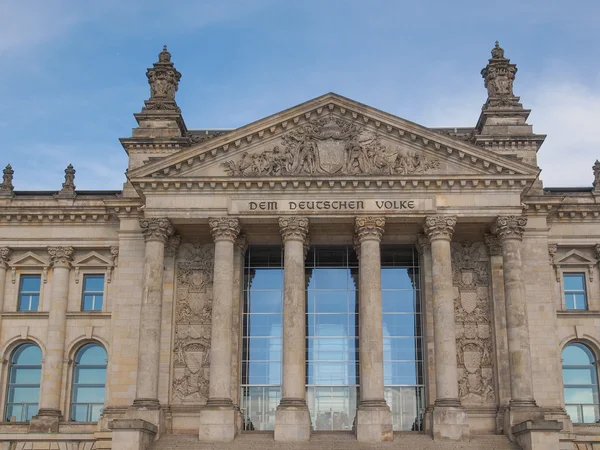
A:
{"x":172,"y":245}
{"x":509,"y":227}
{"x":439,"y":227}
{"x":369,"y":228}
{"x":156,"y":229}
{"x":422,"y":243}
{"x":5,"y":254}
{"x":493,"y":244}
{"x":294,"y":228}
{"x":224,"y":228}
{"x":61,"y":256}
{"x":241,"y":242}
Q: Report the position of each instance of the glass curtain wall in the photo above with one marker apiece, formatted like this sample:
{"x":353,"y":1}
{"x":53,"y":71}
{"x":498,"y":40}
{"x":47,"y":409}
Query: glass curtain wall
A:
{"x":262,"y":336}
{"x":332,"y":337}
{"x":402,"y":336}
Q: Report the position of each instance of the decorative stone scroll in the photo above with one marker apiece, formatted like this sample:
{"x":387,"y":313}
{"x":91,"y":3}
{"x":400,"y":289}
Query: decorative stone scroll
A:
{"x":193,"y":309}
{"x":156,"y":229}
{"x":369,"y":227}
{"x":439,"y":227}
{"x":510,"y":227}
{"x":294,"y":227}
{"x":331,"y":146}
{"x":61,"y":256}
{"x":473,"y":323}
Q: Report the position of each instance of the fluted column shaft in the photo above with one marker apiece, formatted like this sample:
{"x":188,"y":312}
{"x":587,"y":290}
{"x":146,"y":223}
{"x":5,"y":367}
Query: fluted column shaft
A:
{"x":57,"y":321}
{"x":509,"y":229}
{"x":369,"y":231}
{"x":440,"y":229}
{"x":294,"y":231}
{"x":156,"y":232}
{"x":225,"y":232}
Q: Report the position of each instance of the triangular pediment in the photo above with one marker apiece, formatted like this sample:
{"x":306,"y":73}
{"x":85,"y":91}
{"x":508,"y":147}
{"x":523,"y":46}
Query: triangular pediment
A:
{"x":574,"y":257}
{"x":92,"y":259}
{"x":329,"y":137}
{"x":30,"y":259}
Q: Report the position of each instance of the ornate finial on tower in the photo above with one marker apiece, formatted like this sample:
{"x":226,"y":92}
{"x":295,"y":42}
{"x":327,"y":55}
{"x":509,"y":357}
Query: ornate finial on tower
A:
{"x":6,"y":188}
{"x":68,"y":187}
{"x":499,"y":76}
{"x":596,"y":169}
{"x":164,"y":82}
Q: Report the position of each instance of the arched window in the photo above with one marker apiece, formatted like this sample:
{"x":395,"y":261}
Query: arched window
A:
{"x":580,"y":379}
{"x":89,"y":382}
{"x":24,"y":378}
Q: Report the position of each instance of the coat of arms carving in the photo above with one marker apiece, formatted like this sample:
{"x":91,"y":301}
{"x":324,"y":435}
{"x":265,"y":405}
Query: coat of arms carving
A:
{"x":331,"y":146}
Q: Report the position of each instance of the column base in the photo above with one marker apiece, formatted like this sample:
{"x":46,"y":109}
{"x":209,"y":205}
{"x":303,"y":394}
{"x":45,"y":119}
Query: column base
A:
{"x":520,"y":411}
{"x":373,"y":422}
{"x":218,"y":421}
{"x":538,"y":435}
{"x":449,"y":421}
{"x":147,"y":410}
{"x":45,"y":421}
{"x":292,"y":421}
{"x":132,"y":434}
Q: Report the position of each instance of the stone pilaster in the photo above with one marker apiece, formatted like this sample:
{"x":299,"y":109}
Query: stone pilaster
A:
{"x":50,"y":413}
{"x":499,"y":325}
{"x":292,"y":420}
{"x":509,"y":231}
{"x":5,"y":254}
{"x":219,"y":419}
{"x":156,"y":231}
{"x":373,"y":417}
{"x":449,"y":420}
{"x":239,"y":253}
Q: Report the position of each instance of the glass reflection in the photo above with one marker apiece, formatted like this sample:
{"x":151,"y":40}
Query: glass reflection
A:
{"x":24,"y":383}
{"x":262,"y":336}
{"x":402,"y":337}
{"x":332,"y":339}
{"x":89,"y":381}
{"x":580,"y":382}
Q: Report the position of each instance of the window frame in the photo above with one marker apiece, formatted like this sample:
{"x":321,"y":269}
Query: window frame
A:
{"x":8,"y":383}
{"x":564,"y":292}
{"x":74,"y":385}
{"x":22,"y":276}
{"x":83,"y":291}
{"x":594,"y":366}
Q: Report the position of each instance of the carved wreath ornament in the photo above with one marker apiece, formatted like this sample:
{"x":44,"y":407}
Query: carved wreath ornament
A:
{"x":330,"y":146}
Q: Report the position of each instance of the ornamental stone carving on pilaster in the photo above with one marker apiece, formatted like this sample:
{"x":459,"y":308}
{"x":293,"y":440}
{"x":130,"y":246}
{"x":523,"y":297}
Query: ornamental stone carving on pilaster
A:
{"x":5,"y":254}
{"x":294,"y":228}
{"x":439,"y":227}
{"x":224,"y":228}
{"x":172,"y":245}
{"x":193,"y":312}
{"x":369,"y":228}
{"x":493,"y":244}
{"x":156,"y":229}
{"x":423,"y":243}
{"x":473,"y":323}
{"x":61,"y":256}
{"x":552,"y":249}
{"x":509,"y":227}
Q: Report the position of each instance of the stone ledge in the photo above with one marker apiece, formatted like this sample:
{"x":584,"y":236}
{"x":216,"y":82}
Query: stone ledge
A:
{"x":538,"y":425}
{"x":132,"y":424}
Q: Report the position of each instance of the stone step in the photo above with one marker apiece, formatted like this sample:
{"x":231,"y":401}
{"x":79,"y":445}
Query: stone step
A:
{"x":333,"y":441}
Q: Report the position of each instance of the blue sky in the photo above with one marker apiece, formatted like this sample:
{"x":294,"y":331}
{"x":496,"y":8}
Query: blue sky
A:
{"x":72,"y":72}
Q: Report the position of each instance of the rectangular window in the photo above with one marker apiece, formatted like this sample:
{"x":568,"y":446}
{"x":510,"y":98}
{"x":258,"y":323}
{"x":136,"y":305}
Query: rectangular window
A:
{"x":574,"y":288}
{"x":29,"y":292}
{"x":93,"y":293}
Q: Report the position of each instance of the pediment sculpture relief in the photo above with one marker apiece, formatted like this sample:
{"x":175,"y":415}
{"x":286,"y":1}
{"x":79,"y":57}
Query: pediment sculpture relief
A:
{"x":331,"y":146}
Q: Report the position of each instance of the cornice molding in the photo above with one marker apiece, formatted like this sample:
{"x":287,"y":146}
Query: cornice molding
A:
{"x":386,"y":124}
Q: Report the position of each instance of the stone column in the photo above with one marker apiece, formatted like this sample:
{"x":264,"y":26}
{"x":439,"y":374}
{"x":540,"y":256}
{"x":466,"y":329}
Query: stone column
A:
{"x":5,"y":254}
{"x":292,"y":420}
{"x":449,"y":418}
{"x":509,"y":230}
{"x":50,"y":413}
{"x":218,"y":419}
{"x":156,"y":231}
{"x":373,"y":417}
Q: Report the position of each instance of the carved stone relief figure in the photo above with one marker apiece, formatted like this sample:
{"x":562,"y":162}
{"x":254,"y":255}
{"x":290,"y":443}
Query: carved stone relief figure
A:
{"x":193,"y":309}
{"x":330,"y":146}
{"x":473,"y":330}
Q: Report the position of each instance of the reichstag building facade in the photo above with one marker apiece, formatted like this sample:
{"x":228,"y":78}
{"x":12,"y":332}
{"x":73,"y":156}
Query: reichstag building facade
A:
{"x":330,"y":268}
